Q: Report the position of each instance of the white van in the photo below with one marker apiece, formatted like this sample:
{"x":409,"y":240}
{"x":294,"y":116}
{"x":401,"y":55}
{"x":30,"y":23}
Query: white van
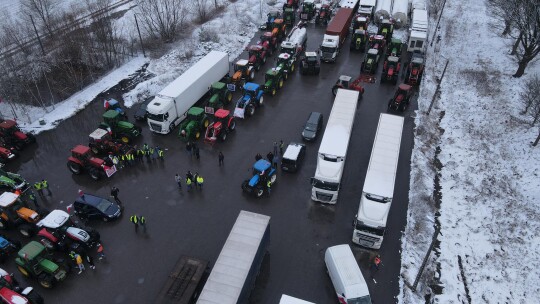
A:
{"x":285,"y":299}
{"x":349,"y":283}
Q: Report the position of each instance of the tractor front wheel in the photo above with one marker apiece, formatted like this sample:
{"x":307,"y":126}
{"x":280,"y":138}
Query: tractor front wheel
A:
{"x":250,"y":110}
{"x":46,"y":281}
{"x":285,"y":76}
{"x":23,"y":271}
{"x":273,"y":92}
{"x":197,"y":134}
{"x":74,"y":168}
{"x":280,"y":84}
{"x":206,"y":122}
{"x":223,"y":136}
{"x":292,"y":68}
{"x":232,"y":125}
{"x":228,"y":98}
{"x":26,"y":230}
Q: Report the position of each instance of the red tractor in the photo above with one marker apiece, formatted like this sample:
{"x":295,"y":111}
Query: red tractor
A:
{"x":12,"y":293}
{"x":13,"y":136}
{"x":269,"y":41}
{"x":391,"y":68}
{"x":323,"y":15}
{"x":81,"y":159}
{"x":290,"y":3}
{"x":414,"y":72}
{"x":7,"y":153}
{"x":377,"y":42}
{"x":401,"y":99}
{"x":223,"y":124}
{"x":257,"y":56}
{"x":344,"y":82}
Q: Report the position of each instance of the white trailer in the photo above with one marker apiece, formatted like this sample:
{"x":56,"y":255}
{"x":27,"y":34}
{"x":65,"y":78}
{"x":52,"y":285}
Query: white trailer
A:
{"x":285,"y":299}
{"x":418,"y":32}
{"x":348,"y":3}
{"x":378,"y":191}
{"x":238,"y":264}
{"x":170,"y":106}
{"x":295,"y":42}
{"x":418,"y":4}
{"x":367,"y":8}
{"x":333,"y":150}
{"x":399,"y":12}
{"x":383,"y":10}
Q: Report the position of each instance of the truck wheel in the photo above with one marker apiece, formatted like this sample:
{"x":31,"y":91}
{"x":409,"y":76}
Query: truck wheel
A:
{"x":26,"y":230}
{"x":23,"y":271}
{"x":228,"y":98}
{"x":46,"y":281}
{"x":34,"y":297}
{"x":74,"y":168}
{"x":3,"y":224}
{"x":94,"y":174}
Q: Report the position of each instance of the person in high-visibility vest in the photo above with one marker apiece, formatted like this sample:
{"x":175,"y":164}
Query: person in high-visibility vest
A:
{"x":188,"y":183}
{"x":160,"y":153}
{"x":200,"y":181}
{"x":45,"y":185}
{"x":268,"y":186}
{"x":135,"y":220}
{"x":39,"y":188}
{"x":142,"y":222}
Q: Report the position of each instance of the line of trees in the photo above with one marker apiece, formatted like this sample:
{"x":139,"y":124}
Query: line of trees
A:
{"x":520,"y":20}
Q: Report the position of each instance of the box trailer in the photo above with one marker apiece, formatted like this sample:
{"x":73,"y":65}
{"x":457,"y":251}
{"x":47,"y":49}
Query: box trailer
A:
{"x":399,"y":12}
{"x":335,"y":35}
{"x":367,"y":8}
{"x":418,"y":31}
{"x":333,"y":149}
{"x":383,"y":10}
{"x":378,"y":191}
{"x":184,"y":282}
{"x":239,"y":262}
{"x":170,"y":106}
{"x":285,"y":299}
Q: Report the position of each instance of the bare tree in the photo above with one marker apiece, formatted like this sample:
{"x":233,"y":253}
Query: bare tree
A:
{"x":162,"y":18}
{"x":530,"y":96}
{"x":527,"y":27}
{"x":44,"y":10}
{"x":202,"y":10}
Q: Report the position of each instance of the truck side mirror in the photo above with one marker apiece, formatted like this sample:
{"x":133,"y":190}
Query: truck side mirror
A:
{"x":354,"y":222}
{"x":312,"y":181}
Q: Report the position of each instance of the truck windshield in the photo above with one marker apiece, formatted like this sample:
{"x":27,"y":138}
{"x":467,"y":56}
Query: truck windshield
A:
{"x":377,"y":198}
{"x":370,"y":230}
{"x":326,"y":49}
{"x":325,"y":185}
{"x":156,"y":117}
{"x":288,"y":161}
{"x":361,"y":300}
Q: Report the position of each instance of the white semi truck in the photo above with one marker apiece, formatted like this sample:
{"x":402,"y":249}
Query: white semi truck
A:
{"x":239,"y":262}
{"x":378,"y":191}
{"x":418,"y":31}
{"x":333,"y":150}
{"x":170,"y":106}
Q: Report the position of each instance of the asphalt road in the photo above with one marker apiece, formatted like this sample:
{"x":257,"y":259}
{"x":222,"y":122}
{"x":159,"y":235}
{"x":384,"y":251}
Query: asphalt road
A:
{"x":198,"y":223}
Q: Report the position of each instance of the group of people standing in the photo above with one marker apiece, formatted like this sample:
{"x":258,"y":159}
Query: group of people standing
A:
{"x":137,"y":155}
{"x":195,"y":180}
{"x":273,"y":157}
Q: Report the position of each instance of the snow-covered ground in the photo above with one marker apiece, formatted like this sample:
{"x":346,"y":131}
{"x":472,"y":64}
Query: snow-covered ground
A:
{"x":489,"y":213}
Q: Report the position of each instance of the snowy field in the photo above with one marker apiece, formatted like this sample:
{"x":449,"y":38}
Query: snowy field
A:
{"x":489,"y":213}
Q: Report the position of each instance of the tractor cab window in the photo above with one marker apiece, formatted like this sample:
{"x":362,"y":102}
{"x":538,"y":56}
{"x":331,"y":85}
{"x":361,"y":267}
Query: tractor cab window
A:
{"x":419,"y":43}
{"x":326,"y":49}
{"x":411,"y":44}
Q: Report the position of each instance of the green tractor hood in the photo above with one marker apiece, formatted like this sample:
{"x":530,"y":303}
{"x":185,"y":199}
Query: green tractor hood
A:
{"x":268,"y":84}
{"x":48,"y":266}
{"x":214,"y":100}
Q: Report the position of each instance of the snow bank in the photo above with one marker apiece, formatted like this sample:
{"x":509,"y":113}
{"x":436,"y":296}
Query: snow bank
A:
{"x":489,"y":213}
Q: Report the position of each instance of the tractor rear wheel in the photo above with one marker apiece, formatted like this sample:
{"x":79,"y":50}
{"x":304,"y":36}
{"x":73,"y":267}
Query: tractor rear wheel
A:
{"x":46,"y":281}
{"x":251,"y":75}
{"x":232,"y":125}
{"x":273,"y":179}
{"x":26,"y":230}
{"x":260,"y":191}
{"x":228,"y":98}
{"x":273,"y":93}
{"x":94,"y":174}
{"x":263,"y":60}
{"x":23,"y":271}
{"x":197,"y":134}
{"x":292,"y":68}
{"x":261,"y":101}
{"x":250,"y":110}
{"x":280,"y":84}
{"x":205,"y":123}
{"x":74,"y":168}
{"x":124,"y":139}
{"x":285,"y":76}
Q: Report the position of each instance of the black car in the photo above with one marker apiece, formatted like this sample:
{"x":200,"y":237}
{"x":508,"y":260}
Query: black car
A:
{"x":141,"y":113}
{"x":293,"y":156}
{"x":91,"y":207}
{"x":313,"y":126}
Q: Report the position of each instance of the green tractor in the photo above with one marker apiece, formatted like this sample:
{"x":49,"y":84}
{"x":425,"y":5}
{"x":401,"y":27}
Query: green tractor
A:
{"x":273,"y":80}
{"x":12,"y":182}
{"x":289,"y":16}
{"x":394,"y":49}
{"x":219,"y":96}
{"x":195,"y":122}
{"x":119,"y":129}
{"x":285,"y":62}
{"x":359,"y":40}
{"x":32,"y":261}
{"x":371,"y":62}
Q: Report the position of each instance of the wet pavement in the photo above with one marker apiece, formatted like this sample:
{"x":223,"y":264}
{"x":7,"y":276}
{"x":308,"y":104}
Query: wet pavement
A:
{"x":198,"y":223}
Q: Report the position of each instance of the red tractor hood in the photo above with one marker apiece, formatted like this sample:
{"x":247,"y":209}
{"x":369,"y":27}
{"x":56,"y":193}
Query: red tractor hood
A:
{"x":98,"y":162}
{"x":11,"y":297}
{"x":252,"y":59}
{"x":390,"y":71}
{"x":217,"y":125}
{"x":20,"y":135}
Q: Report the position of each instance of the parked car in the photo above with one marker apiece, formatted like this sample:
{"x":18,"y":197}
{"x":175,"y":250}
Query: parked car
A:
{"x":141,"y":113}
{"x":293,"y":156}
{"x":95,"y":207}
{"x":312,"y":126}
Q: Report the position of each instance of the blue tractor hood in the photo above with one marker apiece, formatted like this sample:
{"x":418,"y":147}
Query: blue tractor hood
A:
{"x":3,"y":243}
{"x":250,"y":86}
{"x":254,"y":180}
{"x":262,"y":165}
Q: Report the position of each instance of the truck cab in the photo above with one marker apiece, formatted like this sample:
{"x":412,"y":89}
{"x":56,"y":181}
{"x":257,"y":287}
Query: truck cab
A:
{"x":326,"y":182}
{"x":162,"y":117}
{"x":329,"y":49}
{"x":370,"y":222}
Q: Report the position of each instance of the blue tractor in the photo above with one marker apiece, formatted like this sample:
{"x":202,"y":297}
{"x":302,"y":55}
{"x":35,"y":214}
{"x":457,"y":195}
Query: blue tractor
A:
{"x":262,"y":173}
{"x":7,"y":247}
{"x":252,"y":98}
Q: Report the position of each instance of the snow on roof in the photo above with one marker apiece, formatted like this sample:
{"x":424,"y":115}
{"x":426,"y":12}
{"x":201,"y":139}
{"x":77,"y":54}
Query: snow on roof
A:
{"x":381,"y":173}
{"x":292,"y":151}
{"x":311,"y":54}
{"x":98,"y":134}
{"x":7,"y":198}
{"x":348,"y":270}
{"x":242,"y":62}
{"x":231,"y":269}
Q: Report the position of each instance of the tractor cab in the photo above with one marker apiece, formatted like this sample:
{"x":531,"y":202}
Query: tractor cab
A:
{"x":84,"y":155}
{"x":289,"y":16}
{"x":391,"y":63}
{"x":386,"y":29}
{"x":401,"y":98}
{"x":11,"y":134}
{"x":219,"y":95}
{"x":263,"y":169}
{"x":13,"y":209}
{"x":251,"y":89}
{"x":268,"y":40}
{"x":310,"y":63}
{"x":343,"y":81}
{"x":195,"y":113}
{"x":283,"y":59}
{"x":241,"y":65}
{"x":323,"y":14}
{"x":270,"y":17}
{"x":221,"y":117}
{"x":113,"y":104}
{"x":391,"y":68}
{"x":288,"y":48}
{"x":415,"y":69}
{"x":308,"y":9}
{"x":101,"y":141}
{"x":377,"y":42}
{"x":100,"y":136}
{"x":273,"y":80}
{"x":13,"y":182}
{"x":394,"y":49}
{"x":360,"y":23}
{"x":256,"y":53}
{"x":359,"y":39}
{"x":242,"y":71}
{"x":278,"y":28}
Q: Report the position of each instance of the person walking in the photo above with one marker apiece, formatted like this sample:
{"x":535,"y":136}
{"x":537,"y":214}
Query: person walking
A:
{"x":200,"y":181}
{"x":140,"y":155}
{"x":39,"y":188}
{"x":100,"y":251}
{"x":161,"y":155}
{"x":45,"y":185}
{"x":142,"y":222}
{"x":275,"y":161}
{"x":188,"y":148}
{"x":153,"y":153}
{"x":188,"y":184}
{"x":90,"y":261}
{"x":114,"y":193}
{"x":178,"y":180}
{"x":270,"y":156}
{"x":375,"y":266}
{"x":79,"y":261}
{"x":258,"y":157}
{"x":281,"y":146}
{"x":275,"y":148}
{"x":194,"y":179}
{"x":221,"y":157}
{"x":268,"y":186}
{"x":135,"y":220}
{"x":197,"y":154}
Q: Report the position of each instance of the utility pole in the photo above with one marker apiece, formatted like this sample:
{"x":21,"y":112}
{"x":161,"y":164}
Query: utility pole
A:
{"x":437,"y":26}
{"x":140,"y":37}
{"x":438,"y":88}
{"x":37,"y":35}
